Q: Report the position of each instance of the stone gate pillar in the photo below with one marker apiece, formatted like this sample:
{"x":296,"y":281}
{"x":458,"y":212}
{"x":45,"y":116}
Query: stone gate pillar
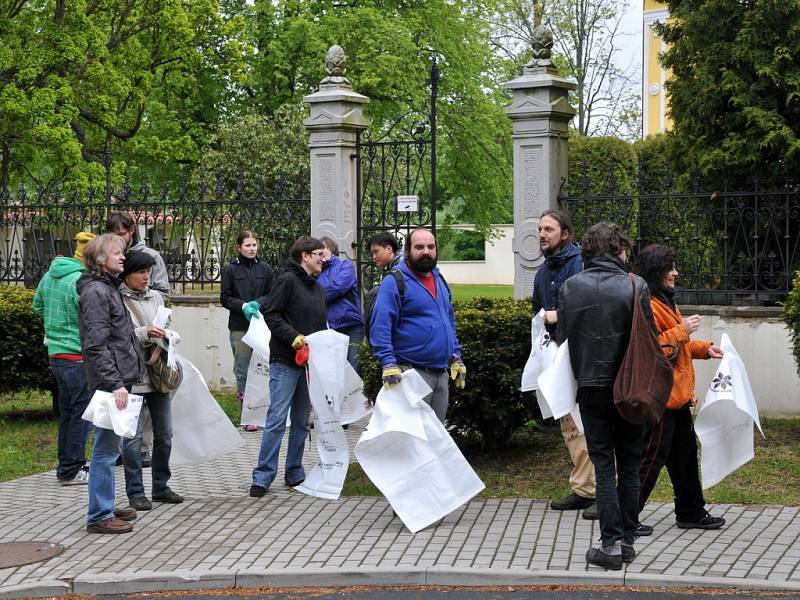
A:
{"x":540,"y":113}
{"x":336,"y":117}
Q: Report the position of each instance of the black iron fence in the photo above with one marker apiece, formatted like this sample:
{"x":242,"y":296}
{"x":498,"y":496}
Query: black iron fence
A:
{"x":193,"y":227}
{"x":733,"y":246}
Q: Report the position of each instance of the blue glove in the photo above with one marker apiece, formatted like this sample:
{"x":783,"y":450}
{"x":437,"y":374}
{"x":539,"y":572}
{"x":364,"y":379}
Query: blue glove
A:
{"x":252,"y":309}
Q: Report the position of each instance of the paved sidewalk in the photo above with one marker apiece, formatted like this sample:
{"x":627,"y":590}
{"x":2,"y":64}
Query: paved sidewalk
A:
{"x":220,"y":537}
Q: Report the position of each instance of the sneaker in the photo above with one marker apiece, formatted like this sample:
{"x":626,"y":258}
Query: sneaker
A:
{"x":628,"y":554}
{"x":125,"y":513}
{"x":140,"y":503}
{"x":146,"y":461}
{"x":110,"y":525}
{"x":707,"y":522}
{"x":168,"y":496}
{"x":257,"y":491}
{"x":81,"y":478}
{"x":294,"y":483}
{"x":598,"y":558}
{"x":572,"y":502}
{"x":644,"y":530}
{"x":590,"y":514}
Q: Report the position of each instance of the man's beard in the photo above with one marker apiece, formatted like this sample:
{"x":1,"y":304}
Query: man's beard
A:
{"x":424,"y":264}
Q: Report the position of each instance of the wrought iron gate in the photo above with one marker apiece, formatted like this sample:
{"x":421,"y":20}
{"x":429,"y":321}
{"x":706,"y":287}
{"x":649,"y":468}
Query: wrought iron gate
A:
{"x":396,"y":180}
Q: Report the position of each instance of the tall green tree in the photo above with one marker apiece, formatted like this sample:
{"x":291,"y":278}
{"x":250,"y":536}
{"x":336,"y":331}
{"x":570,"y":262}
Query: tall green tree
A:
{"x":734,"y":89}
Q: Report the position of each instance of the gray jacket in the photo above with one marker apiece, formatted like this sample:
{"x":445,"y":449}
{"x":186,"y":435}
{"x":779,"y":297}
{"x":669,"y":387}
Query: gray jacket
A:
{"x":159,"y":278}
{"x":109,"y":344}
{"x":146,"y":304}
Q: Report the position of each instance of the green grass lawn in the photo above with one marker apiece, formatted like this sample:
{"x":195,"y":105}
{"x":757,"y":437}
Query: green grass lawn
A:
{"x":469,"y":291}
{"x":535,"y":464}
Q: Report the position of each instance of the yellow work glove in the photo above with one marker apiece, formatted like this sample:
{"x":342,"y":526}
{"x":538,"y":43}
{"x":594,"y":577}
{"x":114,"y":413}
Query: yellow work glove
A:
{"x":298,"y":342}
{"x":391,"y":376}
{"x":458,"y":372}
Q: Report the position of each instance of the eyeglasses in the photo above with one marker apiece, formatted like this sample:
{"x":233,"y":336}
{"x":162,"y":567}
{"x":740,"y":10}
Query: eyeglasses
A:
{"x":317,"y":253}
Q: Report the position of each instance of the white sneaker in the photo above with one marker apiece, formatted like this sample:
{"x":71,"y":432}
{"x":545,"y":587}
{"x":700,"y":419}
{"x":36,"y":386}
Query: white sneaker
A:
{"x":82,"y":478}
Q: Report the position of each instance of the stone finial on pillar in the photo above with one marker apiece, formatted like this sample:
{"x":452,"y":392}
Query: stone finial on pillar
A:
{"x":336,"y":117}
{"x":540,"y":113}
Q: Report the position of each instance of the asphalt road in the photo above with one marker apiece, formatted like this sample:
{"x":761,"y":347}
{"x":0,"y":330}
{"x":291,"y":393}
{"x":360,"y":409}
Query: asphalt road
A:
{"x":495,"y":593}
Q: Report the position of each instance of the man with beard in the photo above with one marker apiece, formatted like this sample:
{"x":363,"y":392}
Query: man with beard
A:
{"x":562,"y":261}
{"x":415,"y":328}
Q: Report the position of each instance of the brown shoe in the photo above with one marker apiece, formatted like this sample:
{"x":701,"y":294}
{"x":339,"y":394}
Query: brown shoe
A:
{"x":125,"y":513}
{"x":110,"y":525}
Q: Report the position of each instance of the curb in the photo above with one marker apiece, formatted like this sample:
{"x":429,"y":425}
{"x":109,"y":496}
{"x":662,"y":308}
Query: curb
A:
{"x":182,"y":580}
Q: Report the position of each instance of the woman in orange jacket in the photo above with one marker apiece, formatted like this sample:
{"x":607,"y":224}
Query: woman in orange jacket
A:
{"x":672,"y":440}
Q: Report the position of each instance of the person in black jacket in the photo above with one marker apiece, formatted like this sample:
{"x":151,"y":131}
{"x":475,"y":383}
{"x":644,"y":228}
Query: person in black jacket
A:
{"x":594,"y":314}
{"x":246,"y":282}
{"x":295,"y":308}
{"x":113,"y":364}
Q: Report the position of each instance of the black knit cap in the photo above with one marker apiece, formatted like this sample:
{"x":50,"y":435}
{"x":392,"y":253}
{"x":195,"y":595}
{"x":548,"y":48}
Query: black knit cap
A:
{"x":137,"y":261}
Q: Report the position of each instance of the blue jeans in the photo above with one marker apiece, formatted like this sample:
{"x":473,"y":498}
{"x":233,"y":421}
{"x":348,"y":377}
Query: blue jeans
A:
{"x":615,"y":447}
{"x":287,"y":390}
{"x":241,"y":358}
{"x":107,"y":446}
{"x":160,"y":406}
{"x":73,"y":398}
{"x":356,"y":335}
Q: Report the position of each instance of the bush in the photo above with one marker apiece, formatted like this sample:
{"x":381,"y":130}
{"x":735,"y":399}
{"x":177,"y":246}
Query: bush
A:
{"x":495,"y":341}
{"x":791,"y":314}
{"x":23,"y":356}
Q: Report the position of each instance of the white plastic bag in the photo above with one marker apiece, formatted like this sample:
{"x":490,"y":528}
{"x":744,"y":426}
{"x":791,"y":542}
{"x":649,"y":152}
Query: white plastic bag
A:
{"x":200,"y":428}
{"x":103,"y":412}
{"x":256,"y":391}
{"x":411,"y":459}
{"x":258,"y":336}
{"x":543,"y":353}
{"x":725,"y":419}
{"x":557,"y":384}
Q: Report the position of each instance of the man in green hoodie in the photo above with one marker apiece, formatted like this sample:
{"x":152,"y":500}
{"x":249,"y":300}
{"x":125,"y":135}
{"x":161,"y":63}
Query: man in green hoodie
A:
{"x":56,"y":300}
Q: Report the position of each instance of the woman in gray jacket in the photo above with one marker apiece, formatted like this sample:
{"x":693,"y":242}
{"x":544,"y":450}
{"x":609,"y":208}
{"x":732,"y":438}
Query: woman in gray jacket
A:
{"x":113,"y":364}
{"x":143,"y":304}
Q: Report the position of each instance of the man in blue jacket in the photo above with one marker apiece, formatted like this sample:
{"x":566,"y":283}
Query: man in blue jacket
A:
{"x":415,"y":328}
{"x":338,"y":279}
{"x":562,"y":261}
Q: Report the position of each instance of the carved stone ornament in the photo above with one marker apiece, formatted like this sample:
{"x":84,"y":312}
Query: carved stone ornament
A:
{"x":335,"y":66}
{"x":542,"y":44}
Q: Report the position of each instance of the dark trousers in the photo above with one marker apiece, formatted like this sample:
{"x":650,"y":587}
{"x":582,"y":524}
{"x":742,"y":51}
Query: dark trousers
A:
{"x":73,"y":431}
{"x":615,"y":448}
{"x":672,"y":442}
{"x":160,"y":407}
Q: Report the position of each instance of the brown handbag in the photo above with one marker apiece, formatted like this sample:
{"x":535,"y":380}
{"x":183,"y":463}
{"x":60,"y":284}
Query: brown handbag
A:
{"x":644,"y":379}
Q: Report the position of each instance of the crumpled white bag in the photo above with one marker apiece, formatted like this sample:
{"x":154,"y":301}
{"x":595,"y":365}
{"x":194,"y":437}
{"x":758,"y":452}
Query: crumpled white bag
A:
{"x":258,"y":336}
{"x":102,"y":411}
{"x":543,"y":353}
{"x":559,"y":388}
{"x":355,"y":405}
{"x":200,"y":428}
{"x":725,"y":419}
{"x":409,"y":456}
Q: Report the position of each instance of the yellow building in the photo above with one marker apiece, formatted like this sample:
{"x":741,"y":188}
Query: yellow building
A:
{"x":654,"y":96}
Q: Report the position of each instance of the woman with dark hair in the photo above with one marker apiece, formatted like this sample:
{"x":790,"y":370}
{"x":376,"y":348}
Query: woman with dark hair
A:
{"x":113,"y":364}
{"x":143,"y":304}
{"x":672,"y":440}
{"x":246,"y":281}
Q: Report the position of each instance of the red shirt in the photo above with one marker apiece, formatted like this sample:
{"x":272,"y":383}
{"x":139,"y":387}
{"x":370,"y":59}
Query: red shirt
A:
{"x":428,"y":280}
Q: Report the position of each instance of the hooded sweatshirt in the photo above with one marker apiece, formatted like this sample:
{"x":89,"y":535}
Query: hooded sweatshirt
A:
{"x":56,"y":300}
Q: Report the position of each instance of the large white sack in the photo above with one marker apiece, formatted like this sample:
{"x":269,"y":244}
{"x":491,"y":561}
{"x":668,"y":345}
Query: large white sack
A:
{"x":557,"y":384}
{"x":255,"y":402}
{"x":409,"y":456}
{"x":355,"y":405}
{"x":200,"y":428}
{"x":327,"y":357}
{"x":724,"y":422}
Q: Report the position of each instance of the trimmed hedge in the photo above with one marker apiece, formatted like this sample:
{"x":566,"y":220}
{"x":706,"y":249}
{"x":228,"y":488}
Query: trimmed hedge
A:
{"x":495,"y":341}
{"x":791,"y":315}
{"x":23,"y":355}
